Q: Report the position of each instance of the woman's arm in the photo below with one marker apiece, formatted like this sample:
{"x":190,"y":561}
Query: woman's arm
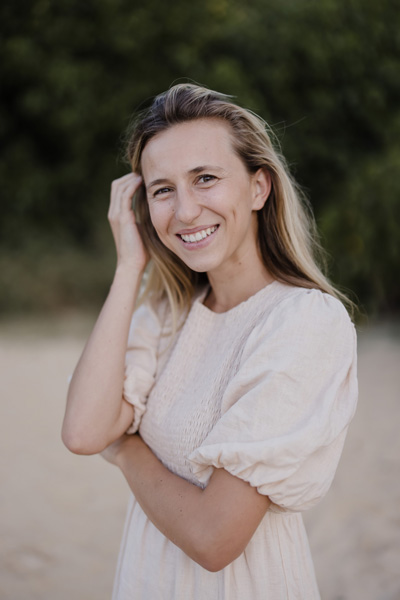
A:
{"x":212,"y":526}
{"x":96,"y":413}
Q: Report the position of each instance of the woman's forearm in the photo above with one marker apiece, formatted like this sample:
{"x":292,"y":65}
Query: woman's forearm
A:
{"x":169,"y":501}
{"x":212,"y":526}
{"x":95,"y":413}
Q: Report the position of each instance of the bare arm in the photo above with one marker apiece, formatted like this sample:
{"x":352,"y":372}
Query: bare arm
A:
{"x":212,"y":526}
{"x":96,"y":413}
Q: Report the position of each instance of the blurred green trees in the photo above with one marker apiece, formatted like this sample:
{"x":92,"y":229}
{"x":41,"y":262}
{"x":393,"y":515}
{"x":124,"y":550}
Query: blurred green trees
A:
{"x":324,"y":73}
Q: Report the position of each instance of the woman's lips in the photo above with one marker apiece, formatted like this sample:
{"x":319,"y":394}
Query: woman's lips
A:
{"x":197,"y":238}
{"x":199,"y":235}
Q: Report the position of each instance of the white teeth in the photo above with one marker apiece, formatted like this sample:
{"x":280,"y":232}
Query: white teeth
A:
{"x":199,"y":235}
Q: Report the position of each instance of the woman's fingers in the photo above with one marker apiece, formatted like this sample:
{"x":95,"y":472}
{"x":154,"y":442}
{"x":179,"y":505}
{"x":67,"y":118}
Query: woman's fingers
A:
{"x":122,"y":192}
{"x":126,"y":195}
{"x":123,"y":189}
{"x":128,"y":241}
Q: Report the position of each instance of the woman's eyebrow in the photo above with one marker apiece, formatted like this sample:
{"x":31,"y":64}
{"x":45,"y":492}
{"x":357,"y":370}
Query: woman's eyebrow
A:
{"x":193,"y":171}
{"x":156,"y":182}
{"x":205,"y":168}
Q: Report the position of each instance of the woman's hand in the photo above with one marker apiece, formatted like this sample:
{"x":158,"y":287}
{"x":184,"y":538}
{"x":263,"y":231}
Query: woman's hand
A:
{"x":128,"y":241}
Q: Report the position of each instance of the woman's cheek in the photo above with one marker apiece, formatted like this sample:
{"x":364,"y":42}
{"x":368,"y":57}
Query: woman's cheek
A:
{"x":160,"y":216}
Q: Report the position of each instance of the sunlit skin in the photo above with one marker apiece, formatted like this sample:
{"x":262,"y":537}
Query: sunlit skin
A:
{"x":197,"y":184}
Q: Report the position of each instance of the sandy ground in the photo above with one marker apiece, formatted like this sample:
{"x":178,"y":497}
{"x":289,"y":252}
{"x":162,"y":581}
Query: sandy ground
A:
{"x":61,"y":515}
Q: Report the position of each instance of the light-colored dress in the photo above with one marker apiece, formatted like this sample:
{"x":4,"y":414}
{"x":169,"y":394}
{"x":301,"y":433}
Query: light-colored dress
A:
{"x":266,"y":391}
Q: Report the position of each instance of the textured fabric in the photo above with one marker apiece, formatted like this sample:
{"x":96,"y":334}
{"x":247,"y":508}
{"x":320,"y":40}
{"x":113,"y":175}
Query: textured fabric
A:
{"x":266,"y":391}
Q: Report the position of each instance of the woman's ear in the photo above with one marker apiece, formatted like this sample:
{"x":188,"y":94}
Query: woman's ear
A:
{"x":262,"y":188}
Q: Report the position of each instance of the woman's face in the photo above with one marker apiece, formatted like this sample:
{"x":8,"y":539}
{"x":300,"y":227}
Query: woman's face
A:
{"x":202,"y":200}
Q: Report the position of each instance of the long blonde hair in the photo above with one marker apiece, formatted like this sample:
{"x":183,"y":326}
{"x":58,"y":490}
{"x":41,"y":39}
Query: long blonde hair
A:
{"x":287,"y":234}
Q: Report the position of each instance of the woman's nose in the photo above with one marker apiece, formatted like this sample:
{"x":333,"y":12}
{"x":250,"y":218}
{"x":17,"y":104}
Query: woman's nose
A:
{"x":187,"y":208}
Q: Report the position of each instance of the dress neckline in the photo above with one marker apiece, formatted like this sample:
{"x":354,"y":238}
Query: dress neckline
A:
{"x":266,"y":290}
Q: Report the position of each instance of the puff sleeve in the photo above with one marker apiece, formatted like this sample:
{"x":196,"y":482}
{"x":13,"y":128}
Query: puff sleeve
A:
{"x":141,"y":359}
{"x":285,"y":413}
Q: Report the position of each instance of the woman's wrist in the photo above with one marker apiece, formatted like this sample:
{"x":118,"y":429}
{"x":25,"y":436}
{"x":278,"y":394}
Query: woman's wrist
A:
{"x":128,"y":272}
{"x":126,"y":284}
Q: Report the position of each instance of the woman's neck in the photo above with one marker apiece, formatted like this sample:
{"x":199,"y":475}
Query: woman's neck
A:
{"x":229,"y":290}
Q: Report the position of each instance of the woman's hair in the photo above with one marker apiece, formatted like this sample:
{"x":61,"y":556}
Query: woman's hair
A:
{"x":287,"y":234}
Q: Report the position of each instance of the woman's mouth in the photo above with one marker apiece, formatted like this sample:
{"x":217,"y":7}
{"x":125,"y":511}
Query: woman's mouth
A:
{"x":191,"y":238}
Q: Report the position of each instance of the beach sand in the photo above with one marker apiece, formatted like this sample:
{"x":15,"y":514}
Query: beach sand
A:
{"x":61,"y":516}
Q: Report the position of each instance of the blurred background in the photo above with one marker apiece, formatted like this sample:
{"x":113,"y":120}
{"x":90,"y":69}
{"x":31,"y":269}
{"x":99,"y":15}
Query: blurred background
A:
{"x":325,"y":74}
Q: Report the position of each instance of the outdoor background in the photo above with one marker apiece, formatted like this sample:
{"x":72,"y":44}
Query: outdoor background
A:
{"x":326,"y":75}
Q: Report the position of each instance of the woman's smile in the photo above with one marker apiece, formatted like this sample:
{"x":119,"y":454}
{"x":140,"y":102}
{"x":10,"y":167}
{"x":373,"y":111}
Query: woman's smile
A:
{"x":198,"y":237}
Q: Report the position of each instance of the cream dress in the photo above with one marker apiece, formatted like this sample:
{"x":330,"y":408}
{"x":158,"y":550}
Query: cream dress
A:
{"x":266,"y":391}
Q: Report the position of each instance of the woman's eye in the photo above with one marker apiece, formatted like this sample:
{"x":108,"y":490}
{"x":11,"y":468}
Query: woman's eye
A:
{"x":206,"y":178}
{"x":164,"y":190}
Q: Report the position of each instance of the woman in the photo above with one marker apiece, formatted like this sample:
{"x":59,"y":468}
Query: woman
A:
{"x":238,"y":368}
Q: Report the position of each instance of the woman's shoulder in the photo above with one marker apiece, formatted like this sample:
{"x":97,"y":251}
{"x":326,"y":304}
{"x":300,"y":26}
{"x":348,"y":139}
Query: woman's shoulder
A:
{"x":301,"y":301}
{"x":297,"y":316}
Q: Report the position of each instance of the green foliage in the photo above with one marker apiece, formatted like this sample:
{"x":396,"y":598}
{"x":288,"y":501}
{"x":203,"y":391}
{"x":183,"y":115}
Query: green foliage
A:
{"x":323,"y":72}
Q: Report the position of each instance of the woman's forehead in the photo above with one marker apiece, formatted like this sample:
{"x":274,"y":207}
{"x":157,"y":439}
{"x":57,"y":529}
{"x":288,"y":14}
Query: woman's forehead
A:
{"x":191,"y":144}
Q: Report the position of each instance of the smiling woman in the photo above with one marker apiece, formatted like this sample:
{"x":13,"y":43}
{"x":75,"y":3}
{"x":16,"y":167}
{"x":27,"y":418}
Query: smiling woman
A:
{"x":206,"y":215}
{"x":226,"y":396}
